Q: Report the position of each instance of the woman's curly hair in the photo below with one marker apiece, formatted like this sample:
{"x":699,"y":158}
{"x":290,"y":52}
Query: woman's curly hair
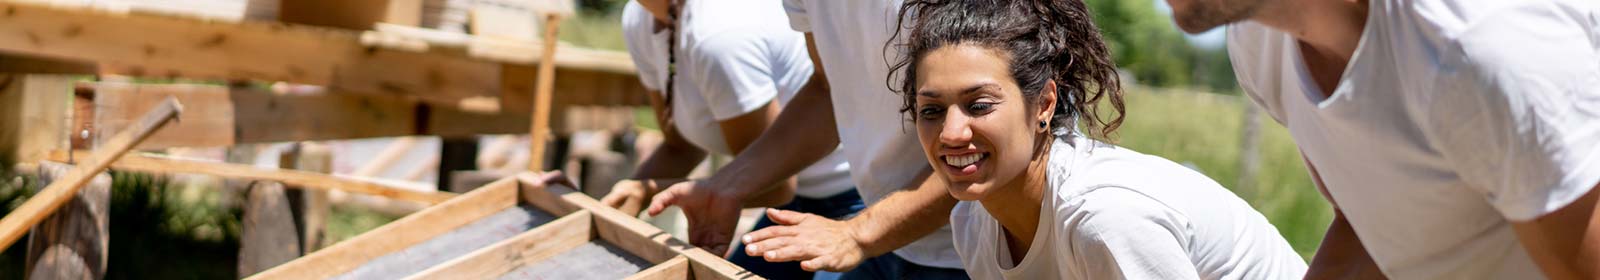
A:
{"x":1045,"y":40}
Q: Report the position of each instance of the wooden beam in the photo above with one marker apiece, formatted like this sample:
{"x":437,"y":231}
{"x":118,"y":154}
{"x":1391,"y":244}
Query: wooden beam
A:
{"x":57,"y":193}
{"x":508,"y":255}
{"x":170,"y":46}
{"x":224,"y":116}
{"x":294,"y":178}
{"x":398,"y":235}
{"x":676,"y":268}
{"x":40,"y":65}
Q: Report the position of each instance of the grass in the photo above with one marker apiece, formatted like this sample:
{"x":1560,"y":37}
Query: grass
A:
{"x":1203,"y":130}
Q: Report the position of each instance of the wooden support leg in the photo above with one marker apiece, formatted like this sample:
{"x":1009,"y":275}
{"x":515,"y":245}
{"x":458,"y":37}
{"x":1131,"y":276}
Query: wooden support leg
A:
{"x":269,"y":236}
{"x":78,"y":233}
{"x":540,"y":132}
{"x":61,"y":262}
{"x":310,"y":205}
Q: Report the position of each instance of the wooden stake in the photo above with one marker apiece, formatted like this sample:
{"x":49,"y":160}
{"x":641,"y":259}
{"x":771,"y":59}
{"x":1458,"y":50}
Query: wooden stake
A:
{"x":540,"y":132}
{"x":53,"y":196}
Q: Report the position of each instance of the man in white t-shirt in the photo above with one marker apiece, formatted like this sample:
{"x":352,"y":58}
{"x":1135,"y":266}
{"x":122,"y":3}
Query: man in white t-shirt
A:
{"x":1456,"y":138}
{"x":907,"y":212}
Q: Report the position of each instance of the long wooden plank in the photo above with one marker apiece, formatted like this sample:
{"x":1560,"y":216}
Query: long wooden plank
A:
{"x":399,"y":234}
{"x":167,"y":46}
{"x":676,"y":268}
{"x":295,"y":178}
{"x":53,"y":196}
{"x":224,"y":116}
{"x":529,"y":247}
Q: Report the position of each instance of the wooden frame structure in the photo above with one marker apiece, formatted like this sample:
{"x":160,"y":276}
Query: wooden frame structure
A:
{"x":393,"y":80}
{"x":581,"y":219}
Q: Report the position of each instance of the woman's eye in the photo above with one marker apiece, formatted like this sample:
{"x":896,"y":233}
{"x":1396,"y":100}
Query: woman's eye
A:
{"x":930,"y":112}
{"x":980,"y":107}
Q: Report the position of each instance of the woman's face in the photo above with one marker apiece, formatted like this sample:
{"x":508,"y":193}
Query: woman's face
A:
{"x":976,"y":128}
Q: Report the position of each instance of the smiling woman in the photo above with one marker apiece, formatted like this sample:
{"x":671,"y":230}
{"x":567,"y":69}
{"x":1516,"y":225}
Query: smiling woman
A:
{"x":996,"y":90}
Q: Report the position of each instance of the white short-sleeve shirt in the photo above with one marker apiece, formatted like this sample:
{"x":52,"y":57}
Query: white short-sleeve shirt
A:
{"x":1113,"y":213}
{"x":734,"y":56}
{"x":1453,"y":119}
{"x":880,"y":144}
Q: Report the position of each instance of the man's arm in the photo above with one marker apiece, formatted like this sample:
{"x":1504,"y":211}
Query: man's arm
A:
{"x":823,"y":244}
{"x":1341,"y":256}
{"x":676,"y":157}
{"x":1565,"y":243}
{"x":802,"y":134}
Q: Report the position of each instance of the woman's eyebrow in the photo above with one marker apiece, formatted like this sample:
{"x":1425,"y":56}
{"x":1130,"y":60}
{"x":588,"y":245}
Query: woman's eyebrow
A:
{"x":974,"y":89}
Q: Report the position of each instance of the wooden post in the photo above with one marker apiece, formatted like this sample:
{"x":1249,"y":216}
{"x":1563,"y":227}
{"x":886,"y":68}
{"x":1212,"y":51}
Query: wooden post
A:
{"x":269,"y":236}
{"x":79,"y":232}
{"x":53,"y":196}
{"x":540,"y":132}
{"x":34,"y":116}
{"x":310,"y":206}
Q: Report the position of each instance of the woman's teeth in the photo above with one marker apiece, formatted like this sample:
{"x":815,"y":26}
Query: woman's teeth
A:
{"x":963,"y":160}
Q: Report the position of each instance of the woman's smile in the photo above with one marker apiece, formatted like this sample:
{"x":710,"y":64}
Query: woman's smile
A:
{"x":961,"y":166}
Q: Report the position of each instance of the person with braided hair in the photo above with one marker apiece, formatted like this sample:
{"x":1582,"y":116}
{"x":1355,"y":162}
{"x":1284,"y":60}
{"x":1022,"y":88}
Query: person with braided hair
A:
{"x":719,"y":72}
{"x":996,"y":90}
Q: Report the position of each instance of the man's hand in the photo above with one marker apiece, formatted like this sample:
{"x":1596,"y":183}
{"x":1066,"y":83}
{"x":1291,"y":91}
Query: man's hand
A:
{"x":818,"y":243}
{"x":713,"y":213}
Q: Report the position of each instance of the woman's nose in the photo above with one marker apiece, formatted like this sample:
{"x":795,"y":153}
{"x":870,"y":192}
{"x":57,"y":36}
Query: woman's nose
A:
{"x":957,"y":130}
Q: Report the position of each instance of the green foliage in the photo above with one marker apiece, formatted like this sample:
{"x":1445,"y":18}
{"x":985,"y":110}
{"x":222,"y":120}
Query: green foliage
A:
{"x":1203,"y":130}
{"x":1145,"y":43}
{"x":158,"y":233}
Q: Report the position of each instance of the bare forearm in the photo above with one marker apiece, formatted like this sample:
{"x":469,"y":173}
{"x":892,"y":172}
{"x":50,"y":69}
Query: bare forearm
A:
{"x":774,"y":196}
{"x":671,"y":160}
{"x":1342,"y":256}
{"x":903,"y":216}
{"x":803,"y":134}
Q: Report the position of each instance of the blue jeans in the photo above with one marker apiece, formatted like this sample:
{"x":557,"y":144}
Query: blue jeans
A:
{"x":891,"y":266}
{"x":835,"y":207}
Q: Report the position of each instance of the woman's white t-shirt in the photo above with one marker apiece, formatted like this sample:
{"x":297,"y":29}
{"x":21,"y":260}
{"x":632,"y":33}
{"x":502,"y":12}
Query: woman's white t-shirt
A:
{"x":1113,"y":213}
{"x":1453,"y":119}
{"x":734,"y":56}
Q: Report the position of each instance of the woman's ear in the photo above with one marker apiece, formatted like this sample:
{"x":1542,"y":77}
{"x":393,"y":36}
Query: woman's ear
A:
{"x":1047,"y":106}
